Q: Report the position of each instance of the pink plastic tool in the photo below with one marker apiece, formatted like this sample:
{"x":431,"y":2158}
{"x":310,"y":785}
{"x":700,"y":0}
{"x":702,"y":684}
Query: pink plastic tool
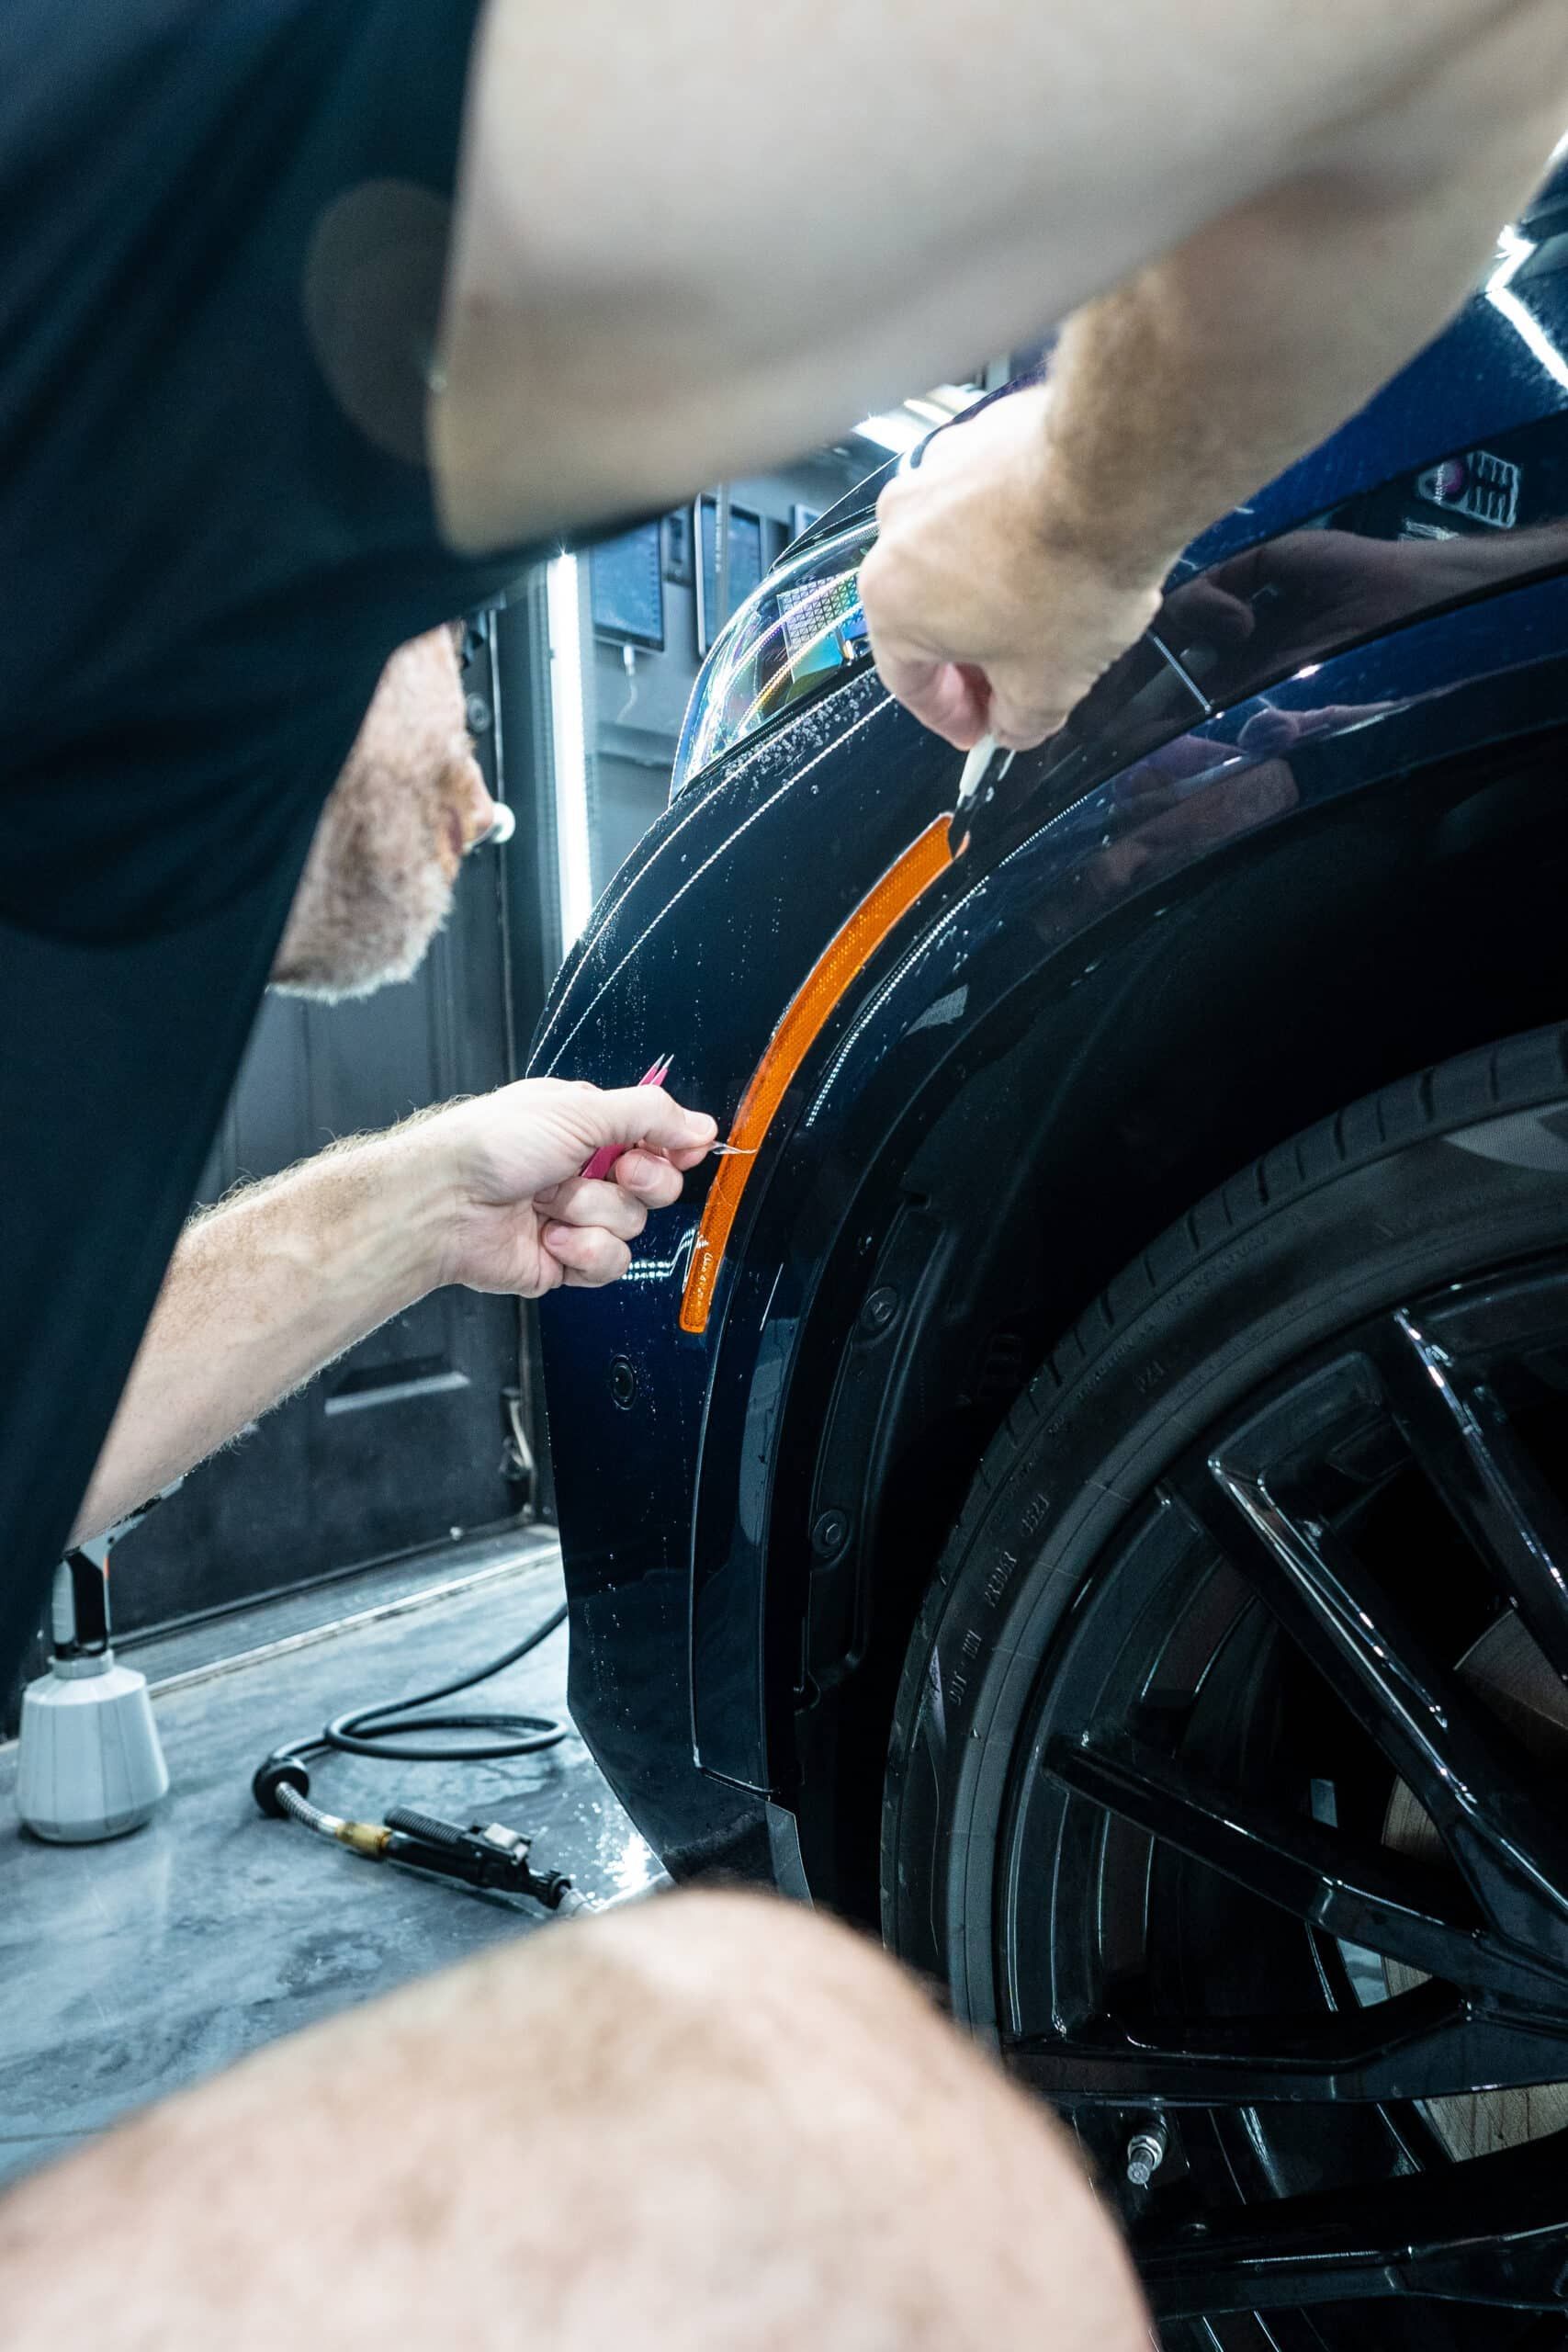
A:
{"x":604,"y":1159}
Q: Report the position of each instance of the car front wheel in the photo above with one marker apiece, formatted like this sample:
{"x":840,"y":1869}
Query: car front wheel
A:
{"x":1228,"y":1787}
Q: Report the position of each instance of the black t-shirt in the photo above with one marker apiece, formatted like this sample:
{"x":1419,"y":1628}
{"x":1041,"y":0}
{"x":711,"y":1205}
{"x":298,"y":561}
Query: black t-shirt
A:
{"x":223,"y":226}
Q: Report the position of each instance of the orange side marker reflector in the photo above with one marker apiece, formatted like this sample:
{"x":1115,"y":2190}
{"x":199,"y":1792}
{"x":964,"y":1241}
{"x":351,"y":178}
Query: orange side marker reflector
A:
{"x":847,"y":955}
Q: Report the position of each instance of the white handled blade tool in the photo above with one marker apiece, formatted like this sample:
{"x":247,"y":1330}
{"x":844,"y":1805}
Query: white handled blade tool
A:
{"x":976,"y":767}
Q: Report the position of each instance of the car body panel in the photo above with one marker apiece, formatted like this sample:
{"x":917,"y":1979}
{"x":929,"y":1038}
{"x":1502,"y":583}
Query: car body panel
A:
{"x":667,"y":1447}
{"x":909,"y":1038}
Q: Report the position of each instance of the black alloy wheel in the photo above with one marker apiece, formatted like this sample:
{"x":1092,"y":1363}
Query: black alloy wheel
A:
{"x":1228,"y":1789}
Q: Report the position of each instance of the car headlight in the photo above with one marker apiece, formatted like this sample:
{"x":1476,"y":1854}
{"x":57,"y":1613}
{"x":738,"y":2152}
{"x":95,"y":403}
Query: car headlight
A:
{"x":801,"y":632}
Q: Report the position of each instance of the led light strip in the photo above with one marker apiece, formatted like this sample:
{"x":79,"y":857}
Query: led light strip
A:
{"x":846,"y":956}
{"x":569,"y":743}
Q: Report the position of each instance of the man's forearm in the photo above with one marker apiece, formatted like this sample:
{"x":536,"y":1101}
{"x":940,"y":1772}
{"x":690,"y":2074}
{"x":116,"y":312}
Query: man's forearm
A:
{"x":1179,"y":395}
{"x":272,"y":1286}
{"x":956,"y":181}
{"x":260,"y":1293}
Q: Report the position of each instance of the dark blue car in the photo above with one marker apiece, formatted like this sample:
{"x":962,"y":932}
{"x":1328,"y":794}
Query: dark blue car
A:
{"x":1083,"y":1489}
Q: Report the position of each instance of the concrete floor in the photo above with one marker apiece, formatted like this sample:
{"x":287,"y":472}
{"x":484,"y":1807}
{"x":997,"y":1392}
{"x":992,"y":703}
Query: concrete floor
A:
{"x":133,"y":1968}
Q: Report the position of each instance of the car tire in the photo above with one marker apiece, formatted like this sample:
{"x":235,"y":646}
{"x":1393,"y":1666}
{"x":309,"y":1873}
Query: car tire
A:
{"x":1459,"y":1168}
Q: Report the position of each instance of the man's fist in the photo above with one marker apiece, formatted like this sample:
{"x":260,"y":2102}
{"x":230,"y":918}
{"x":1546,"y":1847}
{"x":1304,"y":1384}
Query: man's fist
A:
{"x":518,"y":1217}
{"x":984,"y":617}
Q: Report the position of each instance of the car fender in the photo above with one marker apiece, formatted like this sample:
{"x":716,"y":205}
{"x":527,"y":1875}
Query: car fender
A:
{"x":1021,"y":929}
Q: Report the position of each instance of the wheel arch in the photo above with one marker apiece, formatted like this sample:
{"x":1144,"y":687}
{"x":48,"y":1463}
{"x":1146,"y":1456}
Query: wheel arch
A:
{"x":1085,"y":1112}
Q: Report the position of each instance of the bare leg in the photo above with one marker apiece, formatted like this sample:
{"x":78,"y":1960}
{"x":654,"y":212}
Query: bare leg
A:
{"x":713,"y":2124}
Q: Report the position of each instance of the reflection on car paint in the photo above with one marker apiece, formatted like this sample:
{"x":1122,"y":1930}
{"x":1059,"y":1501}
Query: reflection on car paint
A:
{"x":1355,"y":573}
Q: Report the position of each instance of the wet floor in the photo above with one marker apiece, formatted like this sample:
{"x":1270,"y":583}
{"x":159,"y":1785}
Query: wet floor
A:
{"x":133,"y":1968}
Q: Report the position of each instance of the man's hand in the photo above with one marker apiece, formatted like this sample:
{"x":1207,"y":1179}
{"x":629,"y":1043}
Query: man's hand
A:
{"x":520,"y":1218}
{"x":1026,"y":553}
{"x":273,"y":1284}
{"x":984,"y":617}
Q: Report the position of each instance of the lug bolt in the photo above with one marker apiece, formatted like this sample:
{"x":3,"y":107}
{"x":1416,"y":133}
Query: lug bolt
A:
{"x":830,"y":1534}
{"x":1145,"y":2154}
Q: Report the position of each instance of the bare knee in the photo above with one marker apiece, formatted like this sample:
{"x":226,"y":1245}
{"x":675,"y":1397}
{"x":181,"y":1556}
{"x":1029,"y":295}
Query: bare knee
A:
{"x":869,"y":2159}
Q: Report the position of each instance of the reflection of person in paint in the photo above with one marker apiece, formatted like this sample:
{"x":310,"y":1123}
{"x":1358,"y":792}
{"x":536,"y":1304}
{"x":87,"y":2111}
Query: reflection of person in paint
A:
{"x":1188,"y":797}
{"x":1272,"y":609}
{"x":1285,"y":602}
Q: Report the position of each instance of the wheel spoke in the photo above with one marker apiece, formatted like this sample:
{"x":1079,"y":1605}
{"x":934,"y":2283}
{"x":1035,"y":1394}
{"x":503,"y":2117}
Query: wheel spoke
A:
{"x":1492,"y":2232}
{"x":1461,"y":1436}
{"x":1426,"y":2043}
{"x":1443,"y":1742}
{"x":1381,"y":1899}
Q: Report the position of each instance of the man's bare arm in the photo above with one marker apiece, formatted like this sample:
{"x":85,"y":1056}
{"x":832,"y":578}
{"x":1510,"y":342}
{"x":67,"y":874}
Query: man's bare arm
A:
{"x":273,"y":1284}
{"x":858,"y":200}
{"x":261,"y":1293}
{"x":1029,"y":550}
